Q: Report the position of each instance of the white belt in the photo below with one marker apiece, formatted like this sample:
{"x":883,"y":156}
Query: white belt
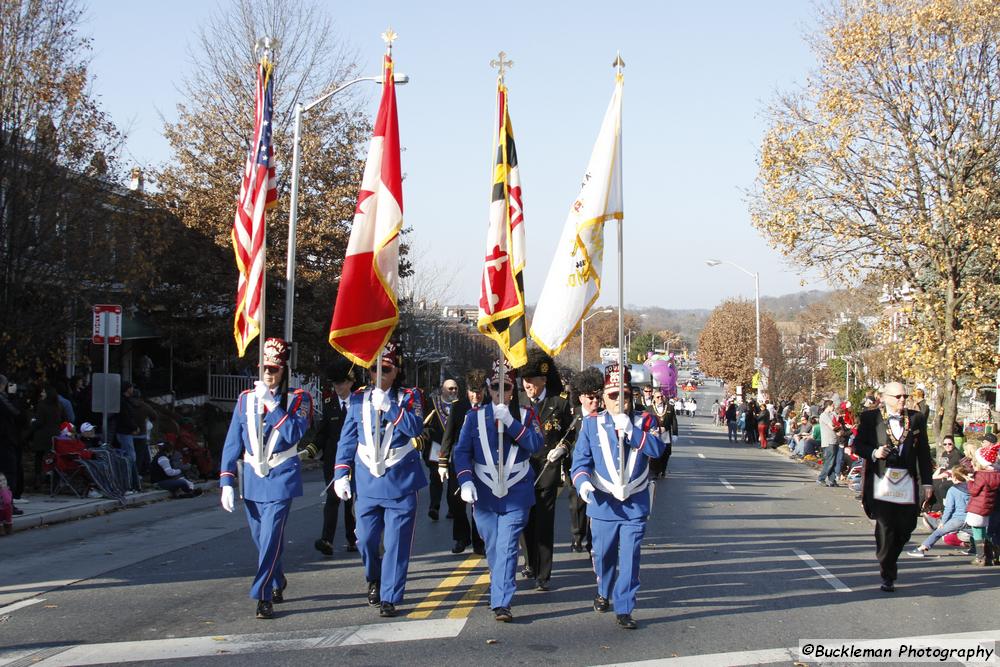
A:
{"x":273,"y":462}
{"x":617,"y":487}
{"x":488,"y":476}
{"x":396,"y":454}
{"x":635,"y":486}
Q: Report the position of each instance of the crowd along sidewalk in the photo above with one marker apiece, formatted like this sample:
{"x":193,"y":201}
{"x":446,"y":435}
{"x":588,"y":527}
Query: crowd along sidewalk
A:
{"x":41,"y":509}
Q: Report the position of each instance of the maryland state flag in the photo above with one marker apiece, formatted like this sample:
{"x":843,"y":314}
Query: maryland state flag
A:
{"x":501,"y":300}
{"x":258,"y":192}
{"x":366,"y":312}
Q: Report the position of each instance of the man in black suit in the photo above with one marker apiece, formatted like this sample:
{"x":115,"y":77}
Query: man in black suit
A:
{"x":341,"y":377}
{"x":462,"y":530}
{"x":893,"y":442}
{"x":542,"y":393}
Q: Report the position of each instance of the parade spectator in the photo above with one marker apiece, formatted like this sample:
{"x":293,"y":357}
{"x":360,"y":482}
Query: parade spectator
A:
{"x":947,"y":458}
{"x":804,"y":443}
{"x":49,"y":418}
{"x":750,"y":430}
{"x":732,"y":420}
{"x":10,"y":426}
{"x":717,"y":413}
{"x":63,"y":395}
{"x":6,"y":507}
{"x":164,"y":475}
{"x":126,"y":424}
{"x":763,"y":426}
{"x":983,"y":490}
{"x":828,"y":441}
{"x":920,"y":404}
{"x":953,"y":518}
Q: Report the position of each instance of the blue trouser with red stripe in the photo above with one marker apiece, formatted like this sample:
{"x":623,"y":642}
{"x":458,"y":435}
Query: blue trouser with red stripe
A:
{"x":267,"y":528}
{"x":616,"y":560}
{"x":389,"y":521}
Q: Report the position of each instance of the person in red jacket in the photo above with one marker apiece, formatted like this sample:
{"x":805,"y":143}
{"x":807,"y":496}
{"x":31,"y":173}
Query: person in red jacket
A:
{"x":983,"y":488}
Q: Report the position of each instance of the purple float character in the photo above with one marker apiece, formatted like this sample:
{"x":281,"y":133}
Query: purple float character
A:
{"x":664,"y":373}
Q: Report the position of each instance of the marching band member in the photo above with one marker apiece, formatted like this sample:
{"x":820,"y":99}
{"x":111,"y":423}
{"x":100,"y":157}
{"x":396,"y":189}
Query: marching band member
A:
{"x":272,"y":476}
{"x":542,"y":387}
{"x":588,"y":386}
{"x":618,"y":508}
{"x":388,"y":472}
{"x":501,"y":500}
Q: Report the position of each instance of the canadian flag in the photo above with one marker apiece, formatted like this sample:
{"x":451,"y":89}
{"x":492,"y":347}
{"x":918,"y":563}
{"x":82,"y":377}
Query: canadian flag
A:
{"x":366,"y":311}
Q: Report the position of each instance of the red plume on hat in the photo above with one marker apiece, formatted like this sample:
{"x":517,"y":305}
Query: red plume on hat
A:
{"x":275,"y":352}
{"x":392,"y":354}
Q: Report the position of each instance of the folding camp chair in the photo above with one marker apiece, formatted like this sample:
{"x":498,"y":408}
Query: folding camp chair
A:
{"x":64,"y":466}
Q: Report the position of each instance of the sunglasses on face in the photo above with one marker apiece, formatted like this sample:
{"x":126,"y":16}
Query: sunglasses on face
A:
{"x":898,"y":396}
{"x":506,"y":387}
{"x":590,"y":397}
{"x":613,"y":395}
{"x":949,"y":444}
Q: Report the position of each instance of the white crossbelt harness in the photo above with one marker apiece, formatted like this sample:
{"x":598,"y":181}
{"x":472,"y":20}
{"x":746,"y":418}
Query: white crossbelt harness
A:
{"x":488,"y":473}
{"x":385,"y":456}
{"x":263,"y":460}
{"x":615,"y":486}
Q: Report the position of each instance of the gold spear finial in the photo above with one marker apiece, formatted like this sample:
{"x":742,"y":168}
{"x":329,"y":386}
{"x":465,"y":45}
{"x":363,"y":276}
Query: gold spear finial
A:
{"x":619,"y":64}
{"x":501,"y":63}
{"x":389,"y":36}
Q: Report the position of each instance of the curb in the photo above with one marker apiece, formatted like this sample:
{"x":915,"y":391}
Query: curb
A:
{"x":96,"y":507}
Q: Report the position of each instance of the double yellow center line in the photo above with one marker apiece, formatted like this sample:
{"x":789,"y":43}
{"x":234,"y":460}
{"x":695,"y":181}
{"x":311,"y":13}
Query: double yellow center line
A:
{"x":449,"y":585}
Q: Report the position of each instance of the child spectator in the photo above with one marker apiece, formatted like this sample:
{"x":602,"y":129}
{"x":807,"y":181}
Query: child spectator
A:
{"x":953,"y":518}
{"x":164,"y":475}
{"x":983,"y":493}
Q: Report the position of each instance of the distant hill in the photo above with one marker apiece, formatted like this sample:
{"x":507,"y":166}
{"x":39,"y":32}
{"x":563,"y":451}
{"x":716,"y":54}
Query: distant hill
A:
{"x":786,"y":307}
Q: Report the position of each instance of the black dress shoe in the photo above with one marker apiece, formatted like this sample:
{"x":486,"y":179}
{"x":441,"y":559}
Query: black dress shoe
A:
{"x":625,"y":621}
{"x":527,"y":572}
{"x":374,"y":597}
{"x":433,"y":514}
{"x":351,"y":546}
{"x":542,"y":585}
{"x":278,"y":596}
{"x":503,"y":614}
{"x":459,"y":547}
{"x":888,"y":586}
{"x":387,"y":610}
{"x":265,"y":609}
{"x":601,"y":604}
{"x":577,"y":546}
{"x":324,"y":547}
{"x":479,"y":549}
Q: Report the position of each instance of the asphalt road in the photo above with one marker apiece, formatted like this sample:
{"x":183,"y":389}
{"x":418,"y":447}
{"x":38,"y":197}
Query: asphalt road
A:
{"x":744,"y":555}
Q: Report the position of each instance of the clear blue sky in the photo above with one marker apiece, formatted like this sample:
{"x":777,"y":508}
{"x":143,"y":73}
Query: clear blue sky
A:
{"x":697,"y":78}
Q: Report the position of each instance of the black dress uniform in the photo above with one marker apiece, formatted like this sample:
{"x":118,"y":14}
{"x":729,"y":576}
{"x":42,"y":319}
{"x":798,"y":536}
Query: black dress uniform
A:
{"x":327,"y":437}
{"x":555,"y":416}
{"x":463,"y":532}
{"x":579,"y":524}
{"x":894,"y":523}
{"x":437,"y":411}
{"x":666,"y":419}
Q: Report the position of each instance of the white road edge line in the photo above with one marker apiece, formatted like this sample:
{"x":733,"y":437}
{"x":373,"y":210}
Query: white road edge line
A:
{"x":700,"y":455}
{"x":20,"y":605}
{"x":725,"y":483}
{"x":837,"y":584}
{"x":199,"y":647}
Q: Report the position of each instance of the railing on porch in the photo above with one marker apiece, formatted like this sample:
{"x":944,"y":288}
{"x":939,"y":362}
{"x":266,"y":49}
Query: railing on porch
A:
{"x":227,"y":387}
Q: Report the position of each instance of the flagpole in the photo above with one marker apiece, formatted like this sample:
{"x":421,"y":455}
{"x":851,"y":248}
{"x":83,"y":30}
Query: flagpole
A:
{"x":619,"y":65}
{"x":499,"y":117}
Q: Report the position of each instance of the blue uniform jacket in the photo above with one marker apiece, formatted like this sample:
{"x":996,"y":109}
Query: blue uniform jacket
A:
{"x":283,"y":481}
{"x":405,"y":477}
{"x":525,"y":438}
{"x":589,"y":460}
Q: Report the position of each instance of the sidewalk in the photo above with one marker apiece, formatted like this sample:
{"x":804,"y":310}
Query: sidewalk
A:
{"x":40,"y":509}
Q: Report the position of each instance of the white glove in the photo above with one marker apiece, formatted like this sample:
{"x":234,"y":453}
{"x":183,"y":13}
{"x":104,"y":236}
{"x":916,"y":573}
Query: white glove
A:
{"x":443,"y":473}
{"x":556,"y":454}
{"x":342,"y":488}
{"x":623,"y":423}
{"x":586,"y":492}
{"x":469,"y":494}
{"x":502,"y":413}
{"x":380,"y":400}
{"x":228,"y":498}
{"x":263,"y":395}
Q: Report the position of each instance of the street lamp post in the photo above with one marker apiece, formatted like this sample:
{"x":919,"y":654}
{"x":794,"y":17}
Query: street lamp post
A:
{"x":584,"y":321}
{"x":756,"y":303}
{"x":293,"y":214}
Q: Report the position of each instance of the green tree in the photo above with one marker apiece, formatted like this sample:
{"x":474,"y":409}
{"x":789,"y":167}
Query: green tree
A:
{"x":886,"y":168}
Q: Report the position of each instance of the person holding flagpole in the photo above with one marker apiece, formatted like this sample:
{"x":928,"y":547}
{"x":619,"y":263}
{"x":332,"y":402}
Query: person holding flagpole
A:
{"x":618,"y":505}
{"x":500,"y":506}
{"x":271,"y":465}
{"x":387,"y":473}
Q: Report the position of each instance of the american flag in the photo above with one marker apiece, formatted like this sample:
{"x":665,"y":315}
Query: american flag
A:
{"x":258,"y":192}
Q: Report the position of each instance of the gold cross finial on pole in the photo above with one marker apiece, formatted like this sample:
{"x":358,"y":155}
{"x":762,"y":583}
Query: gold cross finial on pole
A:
{"x":501,"y":63}
{"x":389,"y":36}
{"x":618,"y":64}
